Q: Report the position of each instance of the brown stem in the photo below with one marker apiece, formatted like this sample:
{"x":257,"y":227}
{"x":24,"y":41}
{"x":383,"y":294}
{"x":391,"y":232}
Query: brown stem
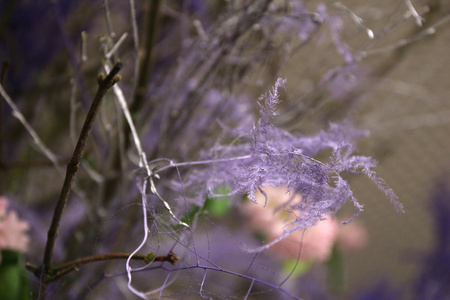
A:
{"x":65,"y":268}
{"x":104,"y":85}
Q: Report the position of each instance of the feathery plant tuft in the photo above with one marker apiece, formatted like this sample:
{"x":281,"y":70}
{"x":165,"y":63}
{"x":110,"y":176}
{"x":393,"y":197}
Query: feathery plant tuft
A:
{"x":269,"y":156}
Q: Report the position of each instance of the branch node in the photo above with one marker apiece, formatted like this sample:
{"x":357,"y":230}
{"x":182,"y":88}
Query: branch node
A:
{"x":149,"y":257}
{"x":116,"y":79}
{"x":100,"y":78}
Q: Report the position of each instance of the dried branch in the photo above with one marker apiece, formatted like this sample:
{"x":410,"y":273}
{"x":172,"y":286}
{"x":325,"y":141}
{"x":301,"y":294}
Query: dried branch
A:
{"x":104,"y":85}
{"x":65,"y":268}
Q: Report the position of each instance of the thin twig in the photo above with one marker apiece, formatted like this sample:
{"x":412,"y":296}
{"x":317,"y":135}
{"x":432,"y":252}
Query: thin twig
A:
{"x":137,"y":142}
{"x":135,"y":30}
{"x":355,"y":18}
{"x":72,"y":53}
{"x":414,"y":13}
{"x":195,"y":163}
{"x":73,"y":102}
{"x":405,"y":42}
{"x":65,"y":268}
{"x":129,"y":269}
{"x":104,"y":85}
{"x":108,"y":19}
{"x":55,"y":161}
{"x":116,"y":46}
{"x":39,"y":143}
{"x":146,"y":51}
{"x":143,"y":163}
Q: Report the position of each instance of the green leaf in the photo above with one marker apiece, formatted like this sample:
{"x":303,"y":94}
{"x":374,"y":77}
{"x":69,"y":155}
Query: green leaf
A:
{"x":218,"y":206}
{"x":301,"y":268}
{"x":194,"y":210}
{"x":214,"y":206}
{"x":336,"y":272}
{"x":13,"y":278}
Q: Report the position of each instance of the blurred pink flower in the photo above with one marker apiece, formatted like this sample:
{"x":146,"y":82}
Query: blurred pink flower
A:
{"x":13,"y":234}
{"x":271,"y":218}
{"x":352,"y":236}
{"x":316,"y":242}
